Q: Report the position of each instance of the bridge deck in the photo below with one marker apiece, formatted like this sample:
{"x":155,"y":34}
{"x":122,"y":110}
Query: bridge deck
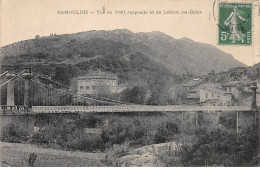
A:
{"x":134,"y":108}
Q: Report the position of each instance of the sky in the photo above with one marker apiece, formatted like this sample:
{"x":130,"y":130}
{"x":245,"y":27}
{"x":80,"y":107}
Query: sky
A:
{"x":23,"y":19}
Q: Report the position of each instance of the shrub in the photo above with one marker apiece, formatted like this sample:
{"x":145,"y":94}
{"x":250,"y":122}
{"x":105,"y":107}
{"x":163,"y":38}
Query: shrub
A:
{"x":166,"y":131}
{"x":85,"y":142}
{"x":31,"y":160}
{"x":41,"y":137}
{"x":216,"y":147}
{"x":53,"y":133}
{"x":114,"y":153}
{"x":90,"y":121}
{"x":14,"y":134}
{"x":170,"y":155}
{"x":229,"y":121}
{"x":116,"y":133}
{"x":135,"y":132}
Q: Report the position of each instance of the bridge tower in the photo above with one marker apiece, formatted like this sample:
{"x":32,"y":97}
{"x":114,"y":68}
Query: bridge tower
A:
{"x":27,"y":75}
{"x":10,"y":90}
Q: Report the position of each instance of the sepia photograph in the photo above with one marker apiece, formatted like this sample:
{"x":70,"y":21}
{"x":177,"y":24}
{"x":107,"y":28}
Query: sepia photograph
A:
{"x":129,"y":83}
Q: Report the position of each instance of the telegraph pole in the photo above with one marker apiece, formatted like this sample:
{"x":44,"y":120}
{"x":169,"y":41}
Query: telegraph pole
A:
{"x":237,"y":127}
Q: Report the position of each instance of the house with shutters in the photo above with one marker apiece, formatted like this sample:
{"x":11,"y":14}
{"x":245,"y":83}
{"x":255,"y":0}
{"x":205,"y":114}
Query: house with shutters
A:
{"x":216,"y":97}
{"x":97,"y":83}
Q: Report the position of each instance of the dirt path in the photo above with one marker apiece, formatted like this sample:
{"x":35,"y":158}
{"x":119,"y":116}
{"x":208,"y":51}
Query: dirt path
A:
{"x":16,"y":154}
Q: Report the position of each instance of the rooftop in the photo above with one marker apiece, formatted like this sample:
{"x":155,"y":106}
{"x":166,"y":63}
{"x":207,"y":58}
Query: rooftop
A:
{"x":215,"y":90}
{"x":204,"y":86}
{"x":192,"y":83}
{"x":98,"y":74}
{"x":236,"y":83}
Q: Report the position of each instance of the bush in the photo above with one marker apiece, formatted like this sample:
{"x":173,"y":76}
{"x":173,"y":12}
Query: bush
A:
{"x":53,"y":134}
{"x":114,"y":153}
{"x":166,"y":132}
{"x":85,"y":142}
{"x":135,"y":132}
{"x":216,"y":147}
{"x":135,"y":95}
{"x":90,"y":121}
{"x":14,"y":134}
{"x":229,"y":121}
{"x":116,"y":133}
{"x":31,"y":160}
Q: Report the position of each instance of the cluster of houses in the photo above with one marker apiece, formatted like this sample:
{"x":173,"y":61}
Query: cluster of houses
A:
{"x":216,"y":94}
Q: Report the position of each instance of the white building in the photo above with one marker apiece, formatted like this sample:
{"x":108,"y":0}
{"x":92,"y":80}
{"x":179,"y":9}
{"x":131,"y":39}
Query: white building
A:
{"x":216,"y":97}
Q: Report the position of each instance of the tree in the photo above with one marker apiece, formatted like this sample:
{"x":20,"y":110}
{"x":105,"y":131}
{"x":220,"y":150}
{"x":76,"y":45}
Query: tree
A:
{"x":159,"y":91}
{"x":64,"y":74}
{"x":135,"y":95}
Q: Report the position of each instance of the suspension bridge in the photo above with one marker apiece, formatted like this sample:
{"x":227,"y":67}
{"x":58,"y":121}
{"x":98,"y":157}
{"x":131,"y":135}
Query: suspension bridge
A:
{"x":31,"y":93}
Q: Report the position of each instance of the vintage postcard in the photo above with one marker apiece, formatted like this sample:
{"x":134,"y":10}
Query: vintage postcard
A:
{"x":129,"y":83}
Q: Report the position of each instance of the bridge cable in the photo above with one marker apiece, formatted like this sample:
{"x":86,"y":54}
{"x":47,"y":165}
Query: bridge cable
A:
{"x":73,"y":93}
{"x":118,"y":101}
{"x":56,"y":82}
{"x":3,"y":73}
{"x":192,"y":103}
{"x":12,"y":78}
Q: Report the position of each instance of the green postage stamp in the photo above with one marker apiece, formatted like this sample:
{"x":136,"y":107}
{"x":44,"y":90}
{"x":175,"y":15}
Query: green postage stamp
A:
{"x":235,"y":24}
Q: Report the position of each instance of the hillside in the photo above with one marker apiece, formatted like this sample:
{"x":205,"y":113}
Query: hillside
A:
{"x":178,"y":56}
{"x":152,"y":60}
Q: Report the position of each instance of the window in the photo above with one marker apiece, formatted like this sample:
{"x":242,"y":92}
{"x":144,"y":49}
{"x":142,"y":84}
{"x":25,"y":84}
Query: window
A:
{"x":87,"y":89}
{"x":212,"y":94}
{"x":113,"y":83}
{"x":101,"y":83}
{"x":93,"y":87}
{"x":206,"y":95}
{"x":81,"y":88}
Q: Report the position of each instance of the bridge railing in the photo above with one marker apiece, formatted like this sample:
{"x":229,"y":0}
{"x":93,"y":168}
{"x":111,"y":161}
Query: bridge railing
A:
{"x":134,"y":108}
{"x":11,"y":110}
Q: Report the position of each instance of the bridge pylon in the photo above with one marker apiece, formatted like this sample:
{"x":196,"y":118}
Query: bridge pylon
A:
{"x":27,"y":75}
{"x":10,"y":90}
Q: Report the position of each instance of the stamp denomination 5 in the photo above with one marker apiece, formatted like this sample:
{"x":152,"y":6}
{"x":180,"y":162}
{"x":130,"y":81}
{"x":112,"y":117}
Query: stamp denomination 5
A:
{"x":235,"y":24}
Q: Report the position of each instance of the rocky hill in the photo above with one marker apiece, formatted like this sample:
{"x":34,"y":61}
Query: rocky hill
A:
{"x":175,"y":55}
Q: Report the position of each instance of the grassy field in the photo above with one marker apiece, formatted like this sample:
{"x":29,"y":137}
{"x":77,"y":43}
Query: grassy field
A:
{"x":17,"y":155}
